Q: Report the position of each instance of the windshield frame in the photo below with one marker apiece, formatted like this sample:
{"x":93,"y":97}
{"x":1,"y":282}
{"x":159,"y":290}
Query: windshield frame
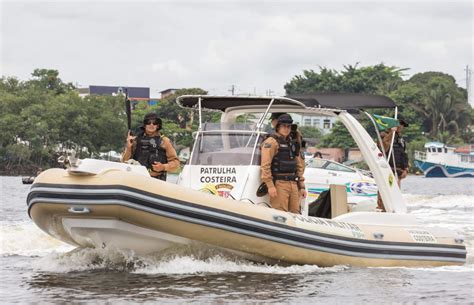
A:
{"x":255,"y":137}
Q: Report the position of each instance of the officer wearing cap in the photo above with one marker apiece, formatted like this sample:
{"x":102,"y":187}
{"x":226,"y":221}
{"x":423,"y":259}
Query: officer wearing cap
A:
{"x":295,"y":134}
{"x":281,"y":168}
{"x":274,"y":118}
{"x":152,"y":149}
{"x":399,"y":150}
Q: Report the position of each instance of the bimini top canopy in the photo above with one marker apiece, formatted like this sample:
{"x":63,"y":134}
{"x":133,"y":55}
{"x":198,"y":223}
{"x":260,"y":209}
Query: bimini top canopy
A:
{"x":343,"y":101}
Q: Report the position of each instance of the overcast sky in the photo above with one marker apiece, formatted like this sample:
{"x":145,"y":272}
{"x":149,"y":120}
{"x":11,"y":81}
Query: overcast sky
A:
{"x":254,"y":45}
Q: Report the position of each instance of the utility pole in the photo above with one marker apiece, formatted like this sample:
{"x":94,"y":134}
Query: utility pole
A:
{"x":232,"y":89}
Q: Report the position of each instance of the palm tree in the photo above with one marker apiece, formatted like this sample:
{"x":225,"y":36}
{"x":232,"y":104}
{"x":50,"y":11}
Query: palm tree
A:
{"x":443,"y":108}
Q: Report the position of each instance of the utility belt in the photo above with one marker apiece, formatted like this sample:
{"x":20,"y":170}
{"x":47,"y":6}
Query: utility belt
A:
{"x":286,"y":177}
{"x":263,"y":189}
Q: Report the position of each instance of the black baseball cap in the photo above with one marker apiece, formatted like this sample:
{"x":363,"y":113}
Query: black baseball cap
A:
{"x":402,"y":121}
{"x":285,"y":119}
{"x":276,"y":115}
{"x":150,"y":117}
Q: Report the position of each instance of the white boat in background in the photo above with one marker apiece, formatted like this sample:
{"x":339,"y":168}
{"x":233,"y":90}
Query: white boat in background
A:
{"x":99,"y":203}
{"x":439,"y":160}
{"x":360,"y":185}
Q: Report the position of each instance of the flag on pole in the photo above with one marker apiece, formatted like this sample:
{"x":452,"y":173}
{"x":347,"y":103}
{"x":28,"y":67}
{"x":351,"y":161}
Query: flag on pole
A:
{"x":384,"y":122}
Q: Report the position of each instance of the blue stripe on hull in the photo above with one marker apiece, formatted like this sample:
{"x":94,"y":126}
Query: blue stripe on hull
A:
{"x":432,"y":170}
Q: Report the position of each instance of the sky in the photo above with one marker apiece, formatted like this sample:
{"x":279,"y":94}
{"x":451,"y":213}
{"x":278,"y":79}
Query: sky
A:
{"x":254,"y":46}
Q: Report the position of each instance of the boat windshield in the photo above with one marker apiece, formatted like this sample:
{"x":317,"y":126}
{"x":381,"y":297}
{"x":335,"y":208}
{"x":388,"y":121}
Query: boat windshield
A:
{"x":227,"y":144}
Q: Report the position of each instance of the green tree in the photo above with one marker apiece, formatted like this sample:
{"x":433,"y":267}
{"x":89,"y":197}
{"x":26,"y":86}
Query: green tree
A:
{"x":372,"y":79}
{"x":49,"y":80}
{"x":310,"y":132}
{"x":178,"y":123}
{"x":42,"y":117}
{"x":433,"y":101}
{"x":339,"y":137}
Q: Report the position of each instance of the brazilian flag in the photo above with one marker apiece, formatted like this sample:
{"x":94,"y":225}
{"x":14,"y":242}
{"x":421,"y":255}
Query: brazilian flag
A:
{"x":384,"y":122}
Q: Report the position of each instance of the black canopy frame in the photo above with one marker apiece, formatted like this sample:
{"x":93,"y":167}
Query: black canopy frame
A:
{"x":351,"y":102}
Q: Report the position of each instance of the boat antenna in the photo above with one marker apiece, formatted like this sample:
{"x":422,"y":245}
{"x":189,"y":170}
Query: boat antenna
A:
{"x":128,"y":111}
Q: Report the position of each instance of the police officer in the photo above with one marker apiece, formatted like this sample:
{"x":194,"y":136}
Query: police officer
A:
{"x":152,"y":149}
{"x":399,"y":150}
{"x":281,"y":168}
{"x":295,"y":133}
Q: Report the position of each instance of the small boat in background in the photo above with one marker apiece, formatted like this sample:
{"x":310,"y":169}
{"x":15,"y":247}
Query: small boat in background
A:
{"x":28,"y":180}
{"x":439,"y":160}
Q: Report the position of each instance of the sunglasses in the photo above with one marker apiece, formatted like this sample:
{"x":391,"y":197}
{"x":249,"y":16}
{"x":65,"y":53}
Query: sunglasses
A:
{"x":151,"y":122}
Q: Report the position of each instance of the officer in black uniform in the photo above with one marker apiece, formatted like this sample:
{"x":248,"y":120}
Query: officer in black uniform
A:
{"x":152,"y":149}
{"x":399,"y":151}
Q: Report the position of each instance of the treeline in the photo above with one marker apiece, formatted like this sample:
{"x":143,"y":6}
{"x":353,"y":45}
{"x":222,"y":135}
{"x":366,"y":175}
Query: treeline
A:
{"x":436,"y":108}
{"x":42,"y":117}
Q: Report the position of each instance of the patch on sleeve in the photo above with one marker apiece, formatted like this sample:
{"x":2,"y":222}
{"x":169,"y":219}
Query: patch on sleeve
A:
{"x":267,"y":145}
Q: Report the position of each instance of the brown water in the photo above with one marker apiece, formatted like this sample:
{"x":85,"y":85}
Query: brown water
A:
{"x":36,"y":268}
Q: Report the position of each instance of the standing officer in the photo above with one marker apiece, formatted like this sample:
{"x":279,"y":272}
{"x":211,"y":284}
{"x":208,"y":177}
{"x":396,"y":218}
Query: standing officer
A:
{"x":152,"y":149}
{"x":281,"y":168}
{"x":399,"y":150}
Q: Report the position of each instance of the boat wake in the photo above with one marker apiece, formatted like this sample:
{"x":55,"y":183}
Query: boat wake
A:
{"x":182,"y":260}
{"x":25,"y":239}
{"x":51,"y":255}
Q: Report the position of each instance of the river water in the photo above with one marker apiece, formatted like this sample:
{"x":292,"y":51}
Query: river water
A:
{"x":36,"y":268}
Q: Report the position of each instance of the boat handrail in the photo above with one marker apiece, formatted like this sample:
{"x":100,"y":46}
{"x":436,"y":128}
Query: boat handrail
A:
{"x":230,"y":131}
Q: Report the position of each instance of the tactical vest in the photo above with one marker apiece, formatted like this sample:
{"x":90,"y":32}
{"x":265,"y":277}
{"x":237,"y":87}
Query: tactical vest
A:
{"x":399,"y":152}
{"x":149,"y":150}
{"x":293,"y":138}
{"x":284,"y":162}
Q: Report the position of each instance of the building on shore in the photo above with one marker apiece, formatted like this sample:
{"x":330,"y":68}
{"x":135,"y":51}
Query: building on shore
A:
{"x":323,"y":123}
{"x":135,"y":94}
{"x":167,"y":92}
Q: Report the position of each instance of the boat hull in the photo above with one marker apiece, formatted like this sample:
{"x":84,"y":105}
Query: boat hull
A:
{"x":436,"y":170}
{"x":145,"y":215}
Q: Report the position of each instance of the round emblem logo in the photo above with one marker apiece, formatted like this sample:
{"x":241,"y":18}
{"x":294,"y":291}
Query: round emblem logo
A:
{"x":390,"y":179}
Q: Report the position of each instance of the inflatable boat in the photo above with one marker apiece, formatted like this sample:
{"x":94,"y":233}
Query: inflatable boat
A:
{"x":98,"y":203}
